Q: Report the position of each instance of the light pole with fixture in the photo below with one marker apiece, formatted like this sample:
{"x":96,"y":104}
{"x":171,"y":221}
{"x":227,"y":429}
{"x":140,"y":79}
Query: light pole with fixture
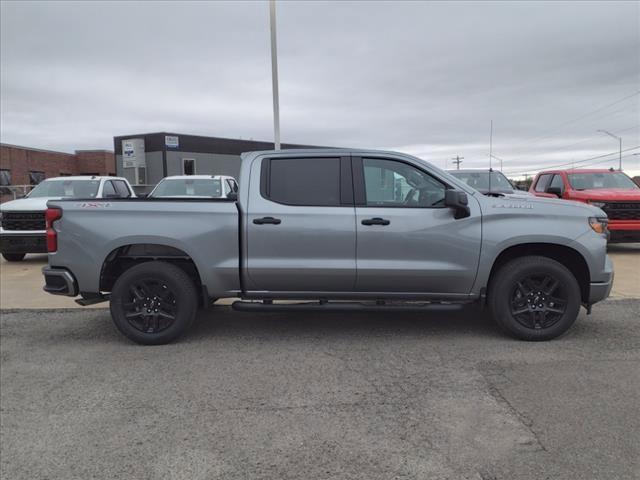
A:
{"x":619,"y":140}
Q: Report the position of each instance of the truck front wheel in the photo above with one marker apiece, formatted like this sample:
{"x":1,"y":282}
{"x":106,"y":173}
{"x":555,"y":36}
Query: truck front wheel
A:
{"x":153,"y":303}
{"x":534,"y":298}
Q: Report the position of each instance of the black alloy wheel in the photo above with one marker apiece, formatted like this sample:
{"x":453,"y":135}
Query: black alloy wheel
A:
{"x":534,"y":298}
{"x":151,"y":307}
{"x":538,"y":301}
{"x":154,"y":302}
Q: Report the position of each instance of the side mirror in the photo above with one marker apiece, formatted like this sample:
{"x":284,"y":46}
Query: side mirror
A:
{"x":232,"y":196}
{"x":457,"y":200}
{"x":557,"y":191}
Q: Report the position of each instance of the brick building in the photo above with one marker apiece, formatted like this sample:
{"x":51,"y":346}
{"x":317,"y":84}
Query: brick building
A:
{"x":29,"y":166}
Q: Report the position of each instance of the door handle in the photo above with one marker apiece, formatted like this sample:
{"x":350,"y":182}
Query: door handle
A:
{"x":376,"y":221}
{"x":270,"y":220}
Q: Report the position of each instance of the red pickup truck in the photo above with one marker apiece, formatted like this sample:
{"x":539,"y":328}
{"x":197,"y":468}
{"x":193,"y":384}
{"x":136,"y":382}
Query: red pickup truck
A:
{"x":611,"y":190}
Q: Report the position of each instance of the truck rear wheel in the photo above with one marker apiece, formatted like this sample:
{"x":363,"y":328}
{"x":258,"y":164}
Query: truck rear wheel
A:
{"x":153,"y":303}
{"x":534,"y":298}
{"x":13,"y":257}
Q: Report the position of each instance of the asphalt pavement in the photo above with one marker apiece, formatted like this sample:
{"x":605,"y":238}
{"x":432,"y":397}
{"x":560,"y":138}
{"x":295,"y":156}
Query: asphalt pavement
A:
{"x":320,"y":396}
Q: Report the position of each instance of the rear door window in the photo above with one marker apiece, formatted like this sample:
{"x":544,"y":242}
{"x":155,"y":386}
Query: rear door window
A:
{"x":303,"y":181}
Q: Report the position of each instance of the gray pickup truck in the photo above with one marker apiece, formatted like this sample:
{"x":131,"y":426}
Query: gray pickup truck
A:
{"x":331,"y":230}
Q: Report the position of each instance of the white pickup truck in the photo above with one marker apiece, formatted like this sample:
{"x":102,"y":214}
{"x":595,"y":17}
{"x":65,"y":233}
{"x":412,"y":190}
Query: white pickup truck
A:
{"x":22,"y":221}
{"x":195,"y":186}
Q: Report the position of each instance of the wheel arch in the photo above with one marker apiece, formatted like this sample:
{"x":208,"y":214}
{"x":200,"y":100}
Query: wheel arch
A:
{"x":123,"y":257}
{"x":567,"y":256}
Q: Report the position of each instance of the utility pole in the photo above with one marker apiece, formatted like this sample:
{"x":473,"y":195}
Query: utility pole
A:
{"x":457,"y":160}
{"x":274,"y":75}
{"x":620,"y":142}
{"x":490,"y":144}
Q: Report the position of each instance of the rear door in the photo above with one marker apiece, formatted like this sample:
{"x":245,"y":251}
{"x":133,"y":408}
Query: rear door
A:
{"x":301,"y":234}
{"x":407,"y":240}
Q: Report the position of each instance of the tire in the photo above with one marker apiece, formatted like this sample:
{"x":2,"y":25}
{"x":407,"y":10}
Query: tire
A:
{"x":13,"y":257}
{"x":534,"y":298}
{"x":148,"y":288}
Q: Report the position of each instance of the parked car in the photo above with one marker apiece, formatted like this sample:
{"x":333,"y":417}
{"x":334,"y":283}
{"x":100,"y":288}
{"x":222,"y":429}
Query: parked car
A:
{"x":488,"y":182}
{"x":22,"y":221}
{"x":345,"y":229}
{"x":611,"y":190}
{"x":199,"y":186}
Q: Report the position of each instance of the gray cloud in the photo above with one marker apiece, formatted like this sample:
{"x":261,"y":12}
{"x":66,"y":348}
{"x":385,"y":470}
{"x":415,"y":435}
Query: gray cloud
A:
{"x":425,"y":78}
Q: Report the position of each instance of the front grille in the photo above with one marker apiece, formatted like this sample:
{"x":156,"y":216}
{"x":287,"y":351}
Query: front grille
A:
{"x":23,"y":221}
{"x":622,"y":210}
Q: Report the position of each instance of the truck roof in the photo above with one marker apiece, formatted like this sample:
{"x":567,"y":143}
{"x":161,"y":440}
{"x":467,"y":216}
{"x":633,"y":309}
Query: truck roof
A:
{"x":82,"y":177}
{"x":473,"y":170}
{"x":198,"y":177}
{"x":579,"y":170}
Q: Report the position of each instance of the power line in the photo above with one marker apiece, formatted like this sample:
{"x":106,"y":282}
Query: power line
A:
{"x":604,"y":161}
{"x":573,"y":120}
{"x":589,"y":139}
{"x":574,"y":162}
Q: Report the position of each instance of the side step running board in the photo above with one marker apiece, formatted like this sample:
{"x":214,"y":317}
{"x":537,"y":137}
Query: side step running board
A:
{"x":344,"y":306}
{"x":85,"y":302}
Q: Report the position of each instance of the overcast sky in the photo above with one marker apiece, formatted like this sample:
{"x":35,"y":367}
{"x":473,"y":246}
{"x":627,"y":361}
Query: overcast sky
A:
{"x":424,"y":78}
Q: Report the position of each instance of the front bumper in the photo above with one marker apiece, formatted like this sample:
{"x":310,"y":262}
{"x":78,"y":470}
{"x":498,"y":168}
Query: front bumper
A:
{"x":600,"y":290}
{"x":59,"y":281}
{"x":23,"y":242}
{"x":624,"y":231}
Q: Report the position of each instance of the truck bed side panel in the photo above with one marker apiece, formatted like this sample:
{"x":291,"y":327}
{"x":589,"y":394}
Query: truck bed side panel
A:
{"x":206,"y":231}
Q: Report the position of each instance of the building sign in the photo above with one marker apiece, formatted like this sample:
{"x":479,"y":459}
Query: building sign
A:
{"x":133,"y":153}
{"x":171,"y":141}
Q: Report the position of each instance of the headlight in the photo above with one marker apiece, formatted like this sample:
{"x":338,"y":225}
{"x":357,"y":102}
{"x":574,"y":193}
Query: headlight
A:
{"x":598,"y":225}
{"x":596,"y":203}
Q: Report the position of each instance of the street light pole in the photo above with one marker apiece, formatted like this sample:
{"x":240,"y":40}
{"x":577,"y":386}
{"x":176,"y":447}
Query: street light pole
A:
{"x":620,"y":141}
{"x":274,"y":75}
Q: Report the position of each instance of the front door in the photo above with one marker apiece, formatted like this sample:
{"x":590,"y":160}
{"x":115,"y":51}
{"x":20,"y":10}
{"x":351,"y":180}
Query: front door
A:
{"x":407,"y":240}
{"x":301,"y":234}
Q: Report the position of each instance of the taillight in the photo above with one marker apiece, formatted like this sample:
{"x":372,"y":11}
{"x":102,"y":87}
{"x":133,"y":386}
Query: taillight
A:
{"x":51,"y":216}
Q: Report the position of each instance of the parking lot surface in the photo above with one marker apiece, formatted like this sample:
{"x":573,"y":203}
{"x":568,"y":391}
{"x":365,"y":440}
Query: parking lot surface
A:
{"x":320,"y":396}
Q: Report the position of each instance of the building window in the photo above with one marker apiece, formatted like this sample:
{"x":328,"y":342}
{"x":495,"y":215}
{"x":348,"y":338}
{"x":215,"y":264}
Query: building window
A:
{"x":35,"y":177}
{"x":142,"y":176}
{"x":5,"y":177}
{"x":188,"y":166}
{"x":5,"y":181}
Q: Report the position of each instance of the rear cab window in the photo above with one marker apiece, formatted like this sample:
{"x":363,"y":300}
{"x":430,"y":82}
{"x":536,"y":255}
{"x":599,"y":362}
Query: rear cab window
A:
{"x":303,"y":181}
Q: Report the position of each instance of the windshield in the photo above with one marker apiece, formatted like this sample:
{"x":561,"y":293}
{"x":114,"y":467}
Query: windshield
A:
{"x":592,"y":181}
{"x":480,"y":181}
{"x":188,"y":187}
{"x":66,"y":189}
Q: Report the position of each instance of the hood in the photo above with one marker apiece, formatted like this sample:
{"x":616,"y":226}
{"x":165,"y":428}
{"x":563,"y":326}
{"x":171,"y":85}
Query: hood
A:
{"x":612,"y":194}
{"x":553,"y":205}
{"x":26,"y":205}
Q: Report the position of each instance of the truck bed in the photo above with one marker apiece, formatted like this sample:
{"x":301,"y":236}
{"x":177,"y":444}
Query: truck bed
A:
{"x":204,"y":229}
